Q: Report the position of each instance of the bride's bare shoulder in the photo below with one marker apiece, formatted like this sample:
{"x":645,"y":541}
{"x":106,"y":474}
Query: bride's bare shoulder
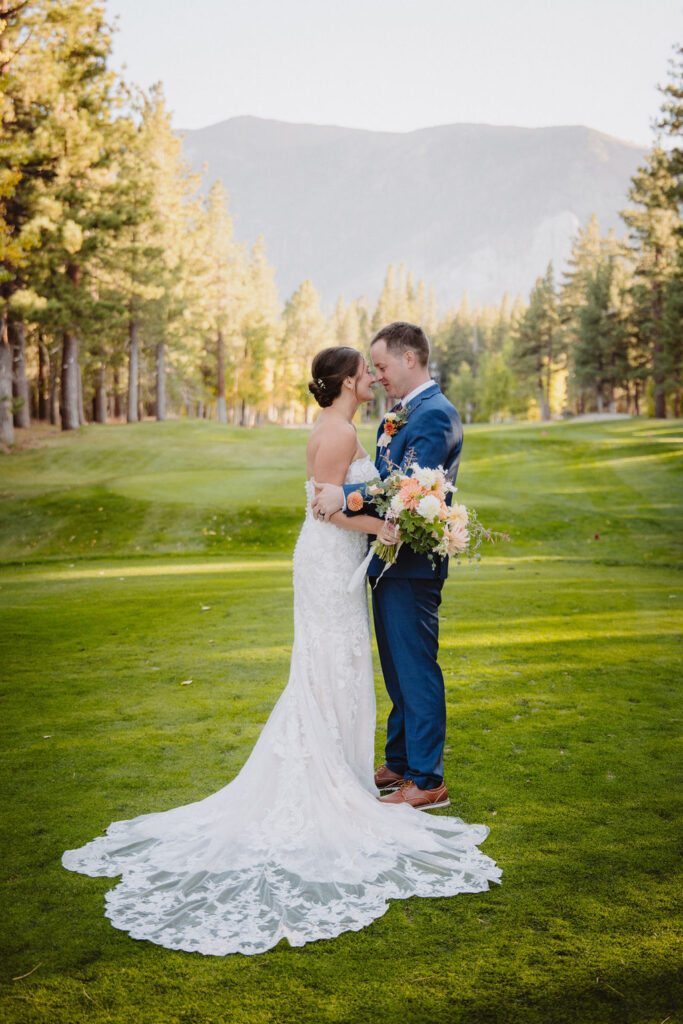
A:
{"x":337,"y":434}
{"x":331,"y":448}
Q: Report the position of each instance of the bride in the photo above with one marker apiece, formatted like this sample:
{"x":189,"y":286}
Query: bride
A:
{"x":297,"y":846}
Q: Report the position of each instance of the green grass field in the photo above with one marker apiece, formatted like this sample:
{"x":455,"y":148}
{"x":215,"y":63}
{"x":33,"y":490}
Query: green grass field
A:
{"x":136,"y":557}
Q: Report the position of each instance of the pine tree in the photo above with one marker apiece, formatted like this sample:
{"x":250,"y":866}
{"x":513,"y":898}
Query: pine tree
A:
{"x":462,"y":390}
{"x":671,"y":122}
{"x":387,"y":308}
{"x":260,"y":333}
{"x":223,"y":291}
{"x":537,"y":339}
{"x":78,"y":202}
{"x":25,"y":75}
{"x":655,"y":224}
{"x":305,"y":333}
{"x":600,"y":353}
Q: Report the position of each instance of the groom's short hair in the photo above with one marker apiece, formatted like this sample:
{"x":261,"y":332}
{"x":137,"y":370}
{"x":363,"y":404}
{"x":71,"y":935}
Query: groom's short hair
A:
{"x":401,"y":336}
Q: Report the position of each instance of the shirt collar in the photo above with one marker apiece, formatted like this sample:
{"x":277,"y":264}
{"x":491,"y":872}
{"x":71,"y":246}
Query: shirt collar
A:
{"x":415,"y":392}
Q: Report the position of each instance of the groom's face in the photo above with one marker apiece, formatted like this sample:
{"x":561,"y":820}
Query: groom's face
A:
{"x":392,"y":370}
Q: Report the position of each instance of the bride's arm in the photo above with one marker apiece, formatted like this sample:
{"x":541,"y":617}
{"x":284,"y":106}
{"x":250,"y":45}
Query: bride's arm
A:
{"x":331,"y":463}
{"x":357,"y":524}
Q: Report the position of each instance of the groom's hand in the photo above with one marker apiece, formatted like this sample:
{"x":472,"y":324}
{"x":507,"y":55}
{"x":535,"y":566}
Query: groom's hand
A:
{"x":329,"y":498}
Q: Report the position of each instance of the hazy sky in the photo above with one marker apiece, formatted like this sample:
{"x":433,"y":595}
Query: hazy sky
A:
{"x":396,"y":65}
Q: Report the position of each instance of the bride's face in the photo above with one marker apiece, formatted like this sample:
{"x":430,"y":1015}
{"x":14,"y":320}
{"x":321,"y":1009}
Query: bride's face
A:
{"x":364,"y":381}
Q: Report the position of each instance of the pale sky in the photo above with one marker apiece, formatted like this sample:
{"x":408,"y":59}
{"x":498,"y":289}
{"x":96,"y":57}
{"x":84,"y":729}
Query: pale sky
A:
{"x":397,"y":65}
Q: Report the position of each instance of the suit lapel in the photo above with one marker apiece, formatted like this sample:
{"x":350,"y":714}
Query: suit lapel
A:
{"x":427,"y":393}
{"x":383,"y":455}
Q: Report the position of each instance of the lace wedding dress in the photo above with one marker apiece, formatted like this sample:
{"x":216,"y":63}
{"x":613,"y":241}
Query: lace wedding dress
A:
{"x":297,"y":846}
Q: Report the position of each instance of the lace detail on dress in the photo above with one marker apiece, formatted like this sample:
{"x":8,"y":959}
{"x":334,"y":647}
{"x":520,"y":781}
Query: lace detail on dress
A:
{"x":297,"y":845}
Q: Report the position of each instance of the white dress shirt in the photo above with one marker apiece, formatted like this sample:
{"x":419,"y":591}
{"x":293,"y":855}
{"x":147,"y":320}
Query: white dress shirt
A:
{"x":415,"y":392}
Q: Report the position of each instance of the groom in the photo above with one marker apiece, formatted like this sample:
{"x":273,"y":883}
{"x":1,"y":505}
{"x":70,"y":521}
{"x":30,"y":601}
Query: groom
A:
{"x":406,"y":599}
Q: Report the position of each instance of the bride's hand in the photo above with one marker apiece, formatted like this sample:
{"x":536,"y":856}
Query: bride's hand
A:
{"x":389,"y":534}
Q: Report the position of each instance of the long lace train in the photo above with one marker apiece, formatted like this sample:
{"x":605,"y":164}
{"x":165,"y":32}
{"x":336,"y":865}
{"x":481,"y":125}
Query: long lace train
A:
{"x":297,"y":846}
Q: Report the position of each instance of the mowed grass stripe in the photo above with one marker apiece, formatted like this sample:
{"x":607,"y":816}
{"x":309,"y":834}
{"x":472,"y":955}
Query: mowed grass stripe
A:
{"x":561,"y":655}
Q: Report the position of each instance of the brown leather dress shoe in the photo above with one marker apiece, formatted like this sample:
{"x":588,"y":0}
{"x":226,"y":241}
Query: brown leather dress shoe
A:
{"x":385,"y":778}
{"x":422,"y":799}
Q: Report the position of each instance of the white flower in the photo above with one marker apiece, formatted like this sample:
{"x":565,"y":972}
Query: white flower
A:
{"x":396,"y":504}
{"x":426,"y":478}
{"x":458,"y":515}
{"x":384,"y":441}
{"x":429,"y":508}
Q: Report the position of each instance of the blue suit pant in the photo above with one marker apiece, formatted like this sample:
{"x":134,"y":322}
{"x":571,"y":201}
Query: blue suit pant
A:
{"x":407,"y":630}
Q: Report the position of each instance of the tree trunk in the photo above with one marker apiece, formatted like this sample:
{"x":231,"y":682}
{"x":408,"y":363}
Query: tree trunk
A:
{"x":658,"y":349}
{"x":70,"y":382}
{"x":118,"y":404}
{"x":141,"y":407}
{"x":43,"y":380}
{"x":6,"y":418}
{"x":53,"y":398}
{"x":200,"y":410}
{"x":636,"y":398}
{"x":161,"y":381}
{"x":599,"y":398}
{"x":548,"y":381}
{"x":81,"y":409}
{"x":220,"y":360}
{"x":100,"y":407}
{"x":17,"y":338}
{"x":133,"y":361}
{"x":243,"y":414}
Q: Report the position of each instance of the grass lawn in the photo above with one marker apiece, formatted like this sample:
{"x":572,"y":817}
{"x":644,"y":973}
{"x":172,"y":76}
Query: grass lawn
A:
{"x":133,"y":558}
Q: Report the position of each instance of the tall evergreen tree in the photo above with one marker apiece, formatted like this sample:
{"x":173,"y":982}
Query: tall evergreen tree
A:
{"x":305,"y":333}
{"x":259,"y":336}
{"x":223,"y":293}
{"x":79,"y":202}
{"x":654,"y":226}
{"x":26,"y":92}
{"x":537,"y":339}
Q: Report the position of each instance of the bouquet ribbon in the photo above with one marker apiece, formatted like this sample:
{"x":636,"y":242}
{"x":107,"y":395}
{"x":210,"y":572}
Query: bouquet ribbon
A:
{"x":359,"y":575}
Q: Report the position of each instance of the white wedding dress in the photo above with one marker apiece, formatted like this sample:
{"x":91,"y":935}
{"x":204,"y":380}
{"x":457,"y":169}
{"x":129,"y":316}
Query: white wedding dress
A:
{"x":297,"y":846}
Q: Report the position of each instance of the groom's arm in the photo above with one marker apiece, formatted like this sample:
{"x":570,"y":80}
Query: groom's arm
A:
{"x":352,"y":499}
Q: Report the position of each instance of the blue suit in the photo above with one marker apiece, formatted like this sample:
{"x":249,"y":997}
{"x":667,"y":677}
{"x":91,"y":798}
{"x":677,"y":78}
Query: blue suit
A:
{"x":406,"y":601}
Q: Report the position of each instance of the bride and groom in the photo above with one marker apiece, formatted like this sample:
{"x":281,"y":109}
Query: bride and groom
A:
{"x":300,"y":845}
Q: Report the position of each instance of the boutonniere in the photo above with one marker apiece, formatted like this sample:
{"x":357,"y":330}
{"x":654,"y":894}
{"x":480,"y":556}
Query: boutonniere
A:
{"x":393,"y":421}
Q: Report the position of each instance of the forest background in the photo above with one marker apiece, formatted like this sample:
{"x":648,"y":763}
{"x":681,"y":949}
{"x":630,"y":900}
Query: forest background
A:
{"x":124,"y":293}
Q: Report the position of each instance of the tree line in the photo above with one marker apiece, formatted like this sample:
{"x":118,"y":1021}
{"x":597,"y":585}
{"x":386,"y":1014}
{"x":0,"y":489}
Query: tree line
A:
{"x":124,"y":293}
{"x":606,"y":336}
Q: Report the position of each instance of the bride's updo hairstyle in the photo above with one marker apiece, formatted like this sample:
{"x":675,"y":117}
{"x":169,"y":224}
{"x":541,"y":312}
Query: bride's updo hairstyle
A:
{"x":329,"y":370}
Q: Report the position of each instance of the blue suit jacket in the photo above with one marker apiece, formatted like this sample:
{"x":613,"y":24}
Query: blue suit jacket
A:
{"x":432,"y":436}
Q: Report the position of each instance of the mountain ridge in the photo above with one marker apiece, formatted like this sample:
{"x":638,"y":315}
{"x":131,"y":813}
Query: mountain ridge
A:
{"x":468,"y":207}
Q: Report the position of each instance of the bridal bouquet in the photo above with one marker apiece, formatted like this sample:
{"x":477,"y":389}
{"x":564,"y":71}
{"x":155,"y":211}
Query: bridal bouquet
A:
{"x":414,"y":500}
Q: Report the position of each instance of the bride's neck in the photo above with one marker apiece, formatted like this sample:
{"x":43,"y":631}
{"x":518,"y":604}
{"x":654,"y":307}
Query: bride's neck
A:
{"x":345,"y":405}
